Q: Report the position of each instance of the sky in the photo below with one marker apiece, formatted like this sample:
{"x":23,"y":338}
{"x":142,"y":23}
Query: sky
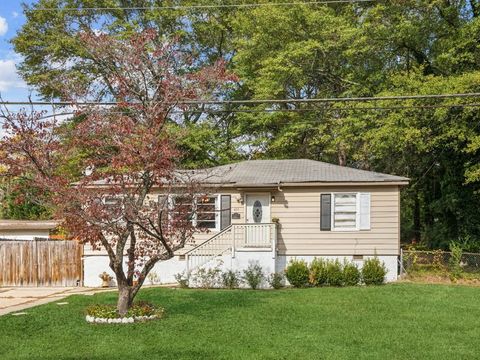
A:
{"x":12,"y":87}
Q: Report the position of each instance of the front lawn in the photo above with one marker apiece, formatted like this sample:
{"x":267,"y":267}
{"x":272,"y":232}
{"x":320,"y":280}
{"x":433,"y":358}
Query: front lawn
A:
{"x":398,"y":321}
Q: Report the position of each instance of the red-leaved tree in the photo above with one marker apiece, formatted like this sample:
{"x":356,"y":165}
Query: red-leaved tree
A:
{"x":99,"y":170}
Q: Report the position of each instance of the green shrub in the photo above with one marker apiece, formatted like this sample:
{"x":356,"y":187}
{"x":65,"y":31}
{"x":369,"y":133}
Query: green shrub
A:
{"x":182,"y":280}
{"x":206,"y":278}
{"x":455,"y":260}
{"x":230,"y":279}
{"x":317,"y":272}
{"x":253,"y":275}
{"x":275,"y":280}
{"x":297,"y":273}
{"x":334,"y":273}
{"x":373,"y":272}
{"x":351,"y":274}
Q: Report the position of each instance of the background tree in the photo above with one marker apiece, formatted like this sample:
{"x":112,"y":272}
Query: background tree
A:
{"x":127,"y":151}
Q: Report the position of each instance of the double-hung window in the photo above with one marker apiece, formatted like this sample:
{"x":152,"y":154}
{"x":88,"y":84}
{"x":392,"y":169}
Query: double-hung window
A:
{"x":344,"y":211}
{"x":207,"y":212}
{"x":114,"y":206}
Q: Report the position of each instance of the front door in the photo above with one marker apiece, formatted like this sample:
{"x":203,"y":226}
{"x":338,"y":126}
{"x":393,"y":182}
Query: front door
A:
{"x":257,"y":213}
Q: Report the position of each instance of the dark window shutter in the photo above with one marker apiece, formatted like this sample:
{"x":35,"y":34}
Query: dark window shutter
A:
{"x":325,"y":212}
{"x":225,"y":211}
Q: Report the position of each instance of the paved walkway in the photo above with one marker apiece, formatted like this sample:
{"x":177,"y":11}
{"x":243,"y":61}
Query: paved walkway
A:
{"x":15,"y":299}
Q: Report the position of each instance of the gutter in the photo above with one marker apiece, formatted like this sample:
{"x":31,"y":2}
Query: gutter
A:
{"x":279,"y":186}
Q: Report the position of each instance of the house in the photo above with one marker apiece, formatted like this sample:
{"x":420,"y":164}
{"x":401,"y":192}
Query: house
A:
{"x":272,"y":211}
{"x":26,"y":229}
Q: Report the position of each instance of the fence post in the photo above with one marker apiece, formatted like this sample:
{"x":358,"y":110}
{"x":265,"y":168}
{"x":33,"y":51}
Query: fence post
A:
{"x":35,"y":252}
{"x":401,"y":262}
{"x":233,"y":241}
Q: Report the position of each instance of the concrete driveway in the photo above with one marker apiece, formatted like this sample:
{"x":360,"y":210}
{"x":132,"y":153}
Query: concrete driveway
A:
{"x":16,"y":299}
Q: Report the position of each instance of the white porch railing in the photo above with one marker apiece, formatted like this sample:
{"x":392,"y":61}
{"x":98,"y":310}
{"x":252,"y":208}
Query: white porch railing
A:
{"x":236,"y":237}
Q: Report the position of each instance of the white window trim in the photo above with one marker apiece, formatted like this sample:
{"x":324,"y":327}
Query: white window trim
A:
{"x":357,"y":212}
{"x":217,"y":212}
{"x":357,"y":227}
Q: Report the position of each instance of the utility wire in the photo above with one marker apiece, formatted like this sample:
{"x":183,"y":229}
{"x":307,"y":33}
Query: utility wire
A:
{"x":350,"y":108}
{"x":212,"y":6}
{"x":307,"y":110}
{"x":258,"y":101}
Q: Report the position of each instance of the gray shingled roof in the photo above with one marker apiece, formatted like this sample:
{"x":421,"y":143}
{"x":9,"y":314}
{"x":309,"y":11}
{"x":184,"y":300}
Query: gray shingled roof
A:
{"x":267,"y":172}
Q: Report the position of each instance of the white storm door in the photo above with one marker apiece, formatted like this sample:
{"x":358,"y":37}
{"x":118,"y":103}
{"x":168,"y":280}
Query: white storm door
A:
{"x":257,"y":213}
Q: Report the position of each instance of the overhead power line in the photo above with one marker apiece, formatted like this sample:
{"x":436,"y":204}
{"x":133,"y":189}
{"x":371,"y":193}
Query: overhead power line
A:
{"x":306,"y":110}
{"x":199,"y":6}
{"x":330,"y":100}
{"x":350,"y":108}
{"x":258,"y":101}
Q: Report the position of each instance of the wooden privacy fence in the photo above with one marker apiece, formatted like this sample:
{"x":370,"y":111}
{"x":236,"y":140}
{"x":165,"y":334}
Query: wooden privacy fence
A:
{"x":40,"y":262}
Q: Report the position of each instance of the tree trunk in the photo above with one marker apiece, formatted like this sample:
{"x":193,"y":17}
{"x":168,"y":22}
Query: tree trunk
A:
{"x":125,"y":299}
{"x":416,"y":219}
{"x":342,"y":157}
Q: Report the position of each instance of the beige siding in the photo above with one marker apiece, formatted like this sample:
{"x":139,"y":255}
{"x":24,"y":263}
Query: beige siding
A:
{"x":298,"y":210}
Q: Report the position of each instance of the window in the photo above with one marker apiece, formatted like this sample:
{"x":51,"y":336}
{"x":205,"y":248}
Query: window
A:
{"x":206,"y":215}
{"x":210,"y":212}
{"x":113,"y":206}
{"x":344,"y":211}
{"x":111,"y":201}
{"x":181,"y":208}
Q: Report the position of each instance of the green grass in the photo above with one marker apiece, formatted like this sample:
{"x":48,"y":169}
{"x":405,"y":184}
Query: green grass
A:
{"x":398,"y":321}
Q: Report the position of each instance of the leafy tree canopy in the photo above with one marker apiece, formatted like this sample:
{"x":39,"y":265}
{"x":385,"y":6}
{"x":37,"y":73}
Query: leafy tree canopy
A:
{"x":313,"y":51}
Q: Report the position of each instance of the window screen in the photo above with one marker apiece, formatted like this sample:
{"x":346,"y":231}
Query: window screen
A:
{"x":345,"y":211}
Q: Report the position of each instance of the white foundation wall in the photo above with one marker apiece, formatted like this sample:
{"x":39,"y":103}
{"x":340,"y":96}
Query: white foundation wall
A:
{"x":243,"y":259}
{"x":165,"y":271}
{"x":94,"y":265}
{"x":391,"y":263}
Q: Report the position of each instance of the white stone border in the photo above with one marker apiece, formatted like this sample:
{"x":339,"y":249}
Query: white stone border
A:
{"x":125,"y":320}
